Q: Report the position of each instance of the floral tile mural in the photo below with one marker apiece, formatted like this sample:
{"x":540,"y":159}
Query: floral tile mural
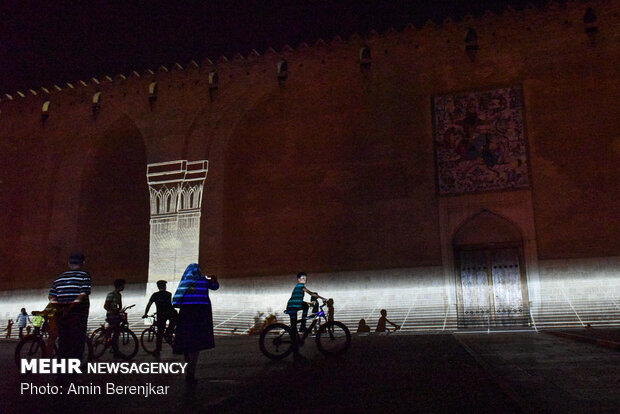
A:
{"x":480,"y":141}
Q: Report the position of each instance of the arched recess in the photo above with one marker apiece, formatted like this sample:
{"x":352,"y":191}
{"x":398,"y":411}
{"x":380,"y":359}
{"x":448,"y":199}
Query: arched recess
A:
{"x":113,"y":214}
{"x":491,"y":275}
{"x":16,"y":177}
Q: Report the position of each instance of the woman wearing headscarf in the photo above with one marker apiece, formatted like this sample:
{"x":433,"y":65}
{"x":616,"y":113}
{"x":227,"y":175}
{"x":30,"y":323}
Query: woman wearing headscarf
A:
{"x":194,"y":331}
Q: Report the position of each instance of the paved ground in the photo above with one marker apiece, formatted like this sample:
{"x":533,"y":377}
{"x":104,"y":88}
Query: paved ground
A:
{"x":461,"y":373}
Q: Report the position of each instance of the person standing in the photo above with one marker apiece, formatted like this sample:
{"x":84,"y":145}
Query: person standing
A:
{"x":165,"y":312}
{"x":69,"y":295}
{"x":22,"y":320}
{"x":9,"y":327}
{"x":194,"y":331}
{"x":330,"y":310}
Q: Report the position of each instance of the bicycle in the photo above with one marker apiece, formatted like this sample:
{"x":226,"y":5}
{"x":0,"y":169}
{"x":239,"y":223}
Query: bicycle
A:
{"x":278,"y":340}
{"x":125,"y":345}
{"x":34,"y":346}
{"x":391,"y":330}
{"x":148,"y":338}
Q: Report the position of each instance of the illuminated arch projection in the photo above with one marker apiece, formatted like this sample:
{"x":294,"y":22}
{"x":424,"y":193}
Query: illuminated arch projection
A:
{"x":175,"y":189}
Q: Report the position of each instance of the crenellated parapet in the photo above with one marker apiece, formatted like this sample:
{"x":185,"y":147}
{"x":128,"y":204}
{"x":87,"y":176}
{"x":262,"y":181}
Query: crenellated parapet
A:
{"x":581,"y":23}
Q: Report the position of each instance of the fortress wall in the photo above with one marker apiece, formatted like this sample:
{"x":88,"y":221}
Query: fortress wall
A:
{"x":331,"y":170}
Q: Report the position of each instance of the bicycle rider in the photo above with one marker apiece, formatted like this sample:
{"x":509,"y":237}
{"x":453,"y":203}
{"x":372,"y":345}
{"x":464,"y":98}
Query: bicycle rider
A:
{"x":381,"y":324}
{"x":165,"y":312}
{"x":37,"y":321}
{"x":114,"y":305}
{"x":296,"y":302}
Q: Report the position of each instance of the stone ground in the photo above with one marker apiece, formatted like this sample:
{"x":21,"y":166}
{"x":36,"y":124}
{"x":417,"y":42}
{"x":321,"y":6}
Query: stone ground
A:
{"x":437,"y":373}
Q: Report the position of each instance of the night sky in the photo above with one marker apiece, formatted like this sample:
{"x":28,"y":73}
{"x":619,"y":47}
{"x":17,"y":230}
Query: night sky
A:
{"x":46,"y":43}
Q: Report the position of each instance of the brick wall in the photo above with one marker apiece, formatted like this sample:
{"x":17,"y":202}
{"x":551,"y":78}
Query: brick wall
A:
{"x":330,"y":170}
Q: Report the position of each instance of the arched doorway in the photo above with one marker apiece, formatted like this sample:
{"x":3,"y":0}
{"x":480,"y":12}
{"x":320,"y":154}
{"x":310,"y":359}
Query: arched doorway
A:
{"x":491,"y":279}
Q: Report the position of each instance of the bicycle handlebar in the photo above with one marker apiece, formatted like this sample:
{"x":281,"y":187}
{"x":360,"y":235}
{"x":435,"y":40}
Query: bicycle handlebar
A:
{"x":320,"y":307}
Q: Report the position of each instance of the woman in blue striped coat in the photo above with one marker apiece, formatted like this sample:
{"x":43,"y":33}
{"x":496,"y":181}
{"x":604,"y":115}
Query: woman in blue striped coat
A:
{"x":194,"y":331}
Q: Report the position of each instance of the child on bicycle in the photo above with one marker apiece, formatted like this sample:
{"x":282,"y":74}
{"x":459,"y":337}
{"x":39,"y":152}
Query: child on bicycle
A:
{"x":165,"y":312}
{"x":37,"y":321}
{"x":114,"y":305}
{"x":381,"y":325}
{"x":296,"y":302}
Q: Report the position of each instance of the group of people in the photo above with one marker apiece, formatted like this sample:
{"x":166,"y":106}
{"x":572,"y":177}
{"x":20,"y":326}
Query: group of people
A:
{"x":193,"y":323}
{"x":24,"y":323}
{"x":296,"y":304}
{"x":362,"y":327}
{"x":69,"y":298}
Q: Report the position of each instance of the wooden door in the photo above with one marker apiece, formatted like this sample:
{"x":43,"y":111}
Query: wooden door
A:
{"x":492,"y":287}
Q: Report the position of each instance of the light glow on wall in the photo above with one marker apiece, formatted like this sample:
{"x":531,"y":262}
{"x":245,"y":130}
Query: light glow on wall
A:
{"x":175,"y":189}
{"x":417,"y":299}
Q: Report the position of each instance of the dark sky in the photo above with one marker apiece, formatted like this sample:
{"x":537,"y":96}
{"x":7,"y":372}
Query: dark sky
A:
{"x":51,"y":42}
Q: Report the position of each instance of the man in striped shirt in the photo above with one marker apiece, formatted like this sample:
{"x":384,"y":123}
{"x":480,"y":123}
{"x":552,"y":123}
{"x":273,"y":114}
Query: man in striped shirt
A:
{"x":69,"y":294}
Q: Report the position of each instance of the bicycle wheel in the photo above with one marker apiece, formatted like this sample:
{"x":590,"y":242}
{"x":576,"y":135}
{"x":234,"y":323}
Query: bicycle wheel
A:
{"x":127,"y":343}
{"x":96,"y":332}
{"x":148,"y":339}
{"x":100,"y":341}
{"x":333,"y":338}
{"x":30,"y":347}
{"x":276,"y":341}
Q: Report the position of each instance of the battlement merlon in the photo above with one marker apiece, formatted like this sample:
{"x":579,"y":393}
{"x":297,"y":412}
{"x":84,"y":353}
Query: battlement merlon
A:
{"x":570,"y":13}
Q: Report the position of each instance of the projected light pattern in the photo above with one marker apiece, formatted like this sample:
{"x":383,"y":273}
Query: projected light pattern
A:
{"x":176,"y":189}
{"x":415,"y":309}
{"x":36,"y":300}
{"x":420,"y":305}
{"x":416,"y":299}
